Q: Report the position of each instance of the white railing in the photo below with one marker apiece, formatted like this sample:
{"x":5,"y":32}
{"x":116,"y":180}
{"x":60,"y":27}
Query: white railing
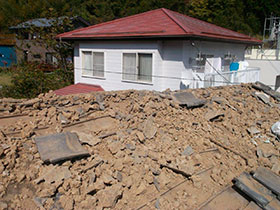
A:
{"x":202,"y":80}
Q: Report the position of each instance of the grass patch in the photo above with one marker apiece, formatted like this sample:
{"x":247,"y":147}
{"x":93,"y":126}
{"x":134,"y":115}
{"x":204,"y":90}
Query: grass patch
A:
{"x":5,"y":78}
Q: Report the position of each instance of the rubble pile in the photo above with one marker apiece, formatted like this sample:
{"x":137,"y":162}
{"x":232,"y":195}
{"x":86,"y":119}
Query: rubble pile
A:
{"x":145,"y":150}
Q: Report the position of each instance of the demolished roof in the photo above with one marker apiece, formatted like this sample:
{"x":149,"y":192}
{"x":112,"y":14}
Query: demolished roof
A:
{"x":145,"y":149}
{"x":158,"y":23}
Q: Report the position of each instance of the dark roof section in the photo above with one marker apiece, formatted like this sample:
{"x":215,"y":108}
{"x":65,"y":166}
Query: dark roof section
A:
{"x":44,"y":22}
{"x":157,"y":23}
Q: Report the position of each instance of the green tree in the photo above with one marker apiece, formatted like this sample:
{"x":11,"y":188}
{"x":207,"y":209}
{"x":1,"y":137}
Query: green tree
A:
{"x":225,"y":13}
{"x":246,"y":16}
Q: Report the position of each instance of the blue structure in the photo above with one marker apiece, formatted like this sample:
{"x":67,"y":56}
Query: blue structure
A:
{"x":7,"y":56}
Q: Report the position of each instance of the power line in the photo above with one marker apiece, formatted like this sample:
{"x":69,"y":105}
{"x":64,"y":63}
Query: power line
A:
{"x":159,"y":76}
{"x":156,"y":76}
{"x":217,"y":71}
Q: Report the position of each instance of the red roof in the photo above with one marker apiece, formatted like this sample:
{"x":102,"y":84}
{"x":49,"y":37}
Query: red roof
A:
{"x":157,"y":23}
{"x":78,"y":89}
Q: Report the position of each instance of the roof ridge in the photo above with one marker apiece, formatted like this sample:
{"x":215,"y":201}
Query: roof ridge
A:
{"x":174,"y":19}
{"x":171,"y":11}
{"x":107,"y":22}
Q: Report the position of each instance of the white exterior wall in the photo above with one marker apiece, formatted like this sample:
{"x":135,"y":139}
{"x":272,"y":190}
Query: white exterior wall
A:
{"x":171,"y":60}
{"x":113,"y":64}
{"x":270,"y":69}
{"x":173,"y":64}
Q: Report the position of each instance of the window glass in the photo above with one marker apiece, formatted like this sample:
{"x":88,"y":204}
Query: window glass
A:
{"x":98,"y":64}
{"x":129,"y":66}
{"x":87,"y":64}
{"x":145,"y":67}
{"x":137,"y":67}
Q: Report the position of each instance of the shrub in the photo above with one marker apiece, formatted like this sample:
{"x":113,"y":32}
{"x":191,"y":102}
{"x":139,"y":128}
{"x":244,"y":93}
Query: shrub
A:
{"x":30,"y":79}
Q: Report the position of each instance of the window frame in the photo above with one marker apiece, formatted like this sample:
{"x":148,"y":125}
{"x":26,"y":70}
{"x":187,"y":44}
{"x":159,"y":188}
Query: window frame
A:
{"x":82,"y":63}
{"x":138,"y":81}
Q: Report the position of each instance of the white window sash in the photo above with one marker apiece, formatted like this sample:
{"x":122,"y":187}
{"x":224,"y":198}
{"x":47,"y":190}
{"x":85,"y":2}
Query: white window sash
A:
{"x":137,"y":71}
{"x":87,"y":63}
{"x":93,"y":63}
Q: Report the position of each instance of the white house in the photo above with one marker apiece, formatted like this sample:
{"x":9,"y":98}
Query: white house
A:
{"x":157,"y":50}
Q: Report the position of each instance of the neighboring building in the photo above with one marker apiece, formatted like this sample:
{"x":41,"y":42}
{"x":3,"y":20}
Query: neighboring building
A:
{"x":157,"y":50}
{"x":267,"y":57}
{"x":269,"y":63}
{"x":28,"y":48}
{"x":7,"y":50}
{"x":262,"y":54}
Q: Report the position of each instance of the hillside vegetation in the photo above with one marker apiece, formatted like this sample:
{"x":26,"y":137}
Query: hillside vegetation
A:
{"x":245,"y":16}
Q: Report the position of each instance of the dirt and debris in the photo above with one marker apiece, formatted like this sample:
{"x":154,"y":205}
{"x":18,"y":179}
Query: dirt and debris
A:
{"x":145,"y":150}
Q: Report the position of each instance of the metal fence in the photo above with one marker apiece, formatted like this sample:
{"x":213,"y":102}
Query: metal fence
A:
{"x":202,"y":80}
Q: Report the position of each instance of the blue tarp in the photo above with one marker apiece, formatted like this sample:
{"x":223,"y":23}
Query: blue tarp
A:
{"x":234,"y":66}
{"x":7,"y":56}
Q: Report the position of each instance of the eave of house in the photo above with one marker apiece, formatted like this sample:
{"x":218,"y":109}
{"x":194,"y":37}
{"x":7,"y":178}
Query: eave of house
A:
{"x":153,"y":37}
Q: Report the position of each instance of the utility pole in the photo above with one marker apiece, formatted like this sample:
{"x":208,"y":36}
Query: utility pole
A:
{"x":278,"y":42}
